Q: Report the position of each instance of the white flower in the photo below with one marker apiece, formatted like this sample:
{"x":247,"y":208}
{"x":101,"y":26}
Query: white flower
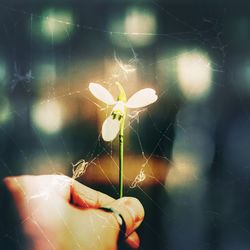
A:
{"x":111,"y":125}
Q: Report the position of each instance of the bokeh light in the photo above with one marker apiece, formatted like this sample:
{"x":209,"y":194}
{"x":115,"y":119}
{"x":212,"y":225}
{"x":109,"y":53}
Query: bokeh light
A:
{"x":140,"y":24}
{"x":194,"y":74}
{"x":47,"y":116}
{"x":57,"y":25}
{"x":193,"y":149}
{"x":184,"y":172}
{"x":136,"y":28}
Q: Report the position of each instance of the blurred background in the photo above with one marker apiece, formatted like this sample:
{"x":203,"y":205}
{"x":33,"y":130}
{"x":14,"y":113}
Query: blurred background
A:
{"x":186,"y":156}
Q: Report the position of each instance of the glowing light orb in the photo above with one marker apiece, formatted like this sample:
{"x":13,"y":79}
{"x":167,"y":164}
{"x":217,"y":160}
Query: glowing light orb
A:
{"x":184,"y":173}
{"x":140,"y":26}
{"x":194,"y":74}
{"x":137,"y":28}
{"x":57,"y":25}
{"x":47,"y":116}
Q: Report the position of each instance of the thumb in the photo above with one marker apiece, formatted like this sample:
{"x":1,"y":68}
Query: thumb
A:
{"x":132,"y":212}
{"x":106,"y":225}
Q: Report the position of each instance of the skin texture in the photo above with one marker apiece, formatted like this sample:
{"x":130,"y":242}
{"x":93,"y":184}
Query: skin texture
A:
{"x":56,"y":212}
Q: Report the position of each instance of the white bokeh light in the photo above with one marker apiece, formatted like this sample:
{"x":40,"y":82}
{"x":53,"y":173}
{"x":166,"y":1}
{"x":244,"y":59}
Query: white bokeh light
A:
{"x":137,"y":28}
{"x":194,"y":74}
{"x":57,"y":25}
{"x":48,"y":116}
{"x":185,"y":171}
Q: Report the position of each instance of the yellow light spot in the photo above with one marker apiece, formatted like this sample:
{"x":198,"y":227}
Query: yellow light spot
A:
{"x":47,"y":116}
{"x":140,"y":25}
{"x":185,"y":171}
{"x":194,"y":74}
{"x":57,"y":25}
{"x":136,"y":28}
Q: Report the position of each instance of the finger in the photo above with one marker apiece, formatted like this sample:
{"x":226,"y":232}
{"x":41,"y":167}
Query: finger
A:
{"x":27,"y":185}
{"x":38,"y":184}
{"x":68,"y":188}
{"x":133,"y":240}
{"x":29,"y":192}
{"x":132,"y":212}
{"x":85,"y":197}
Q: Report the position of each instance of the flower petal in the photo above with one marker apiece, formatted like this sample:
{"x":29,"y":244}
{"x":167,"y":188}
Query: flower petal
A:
{"x":101,"y":93}
{"x":142,"y":98}
{"x":110,"y":129}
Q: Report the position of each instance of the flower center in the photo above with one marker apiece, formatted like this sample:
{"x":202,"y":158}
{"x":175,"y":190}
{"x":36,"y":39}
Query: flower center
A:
{"x":118,"y":111}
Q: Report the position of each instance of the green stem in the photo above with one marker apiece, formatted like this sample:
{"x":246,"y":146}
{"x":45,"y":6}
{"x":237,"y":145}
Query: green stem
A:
{"x":122,"y":97}
{"x":121,"y":142}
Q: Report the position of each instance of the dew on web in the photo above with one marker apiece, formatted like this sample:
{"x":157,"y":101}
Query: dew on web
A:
{"x":139,"y":178}
{"x":79,"y":168}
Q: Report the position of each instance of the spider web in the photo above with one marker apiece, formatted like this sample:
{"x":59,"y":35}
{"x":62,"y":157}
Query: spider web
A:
{"x":171,"y":144}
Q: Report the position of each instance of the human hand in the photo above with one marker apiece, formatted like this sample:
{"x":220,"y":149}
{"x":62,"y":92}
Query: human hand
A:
{"x":57,"y":212}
